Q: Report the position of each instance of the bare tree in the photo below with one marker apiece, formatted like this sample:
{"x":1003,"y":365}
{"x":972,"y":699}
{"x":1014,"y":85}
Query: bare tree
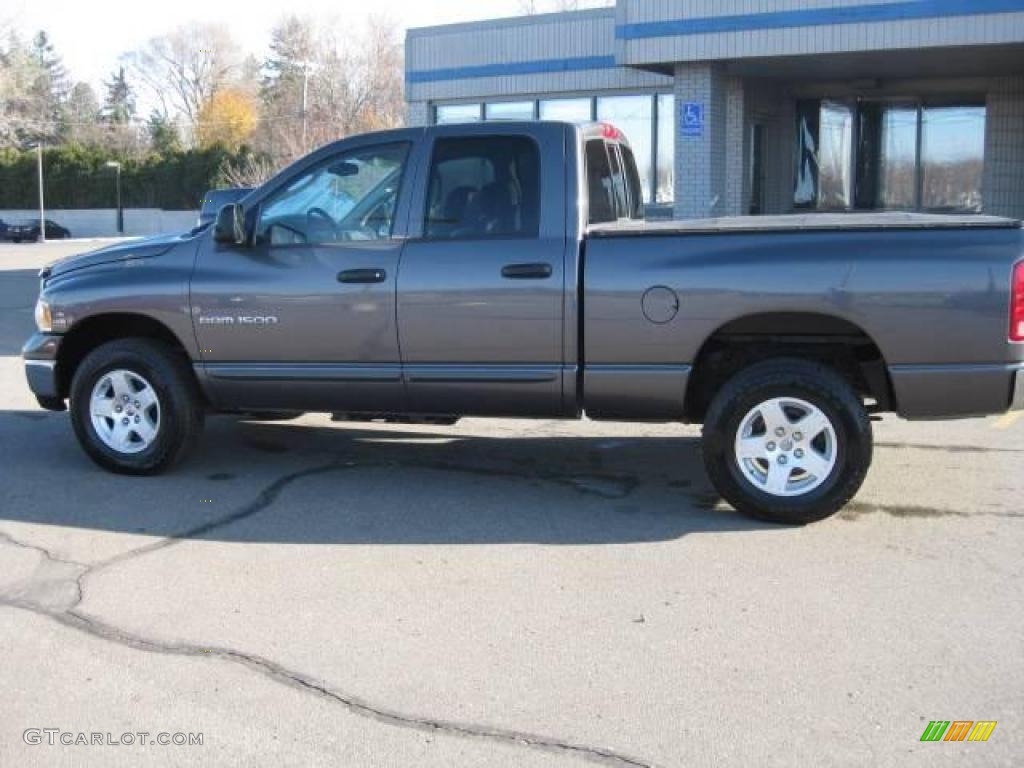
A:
{"x":321,"y":86}
{"x":27,"y":105}
{"x":186,"y":67}
{"x":247,"y":171}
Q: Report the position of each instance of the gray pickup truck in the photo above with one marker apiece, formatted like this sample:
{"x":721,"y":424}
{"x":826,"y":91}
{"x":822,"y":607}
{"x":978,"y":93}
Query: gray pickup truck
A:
{"x":503,"y":270}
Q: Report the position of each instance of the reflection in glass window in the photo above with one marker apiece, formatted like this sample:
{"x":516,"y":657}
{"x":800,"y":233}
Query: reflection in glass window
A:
{"x":808,"y":121}
{"x":910,"y":155}
{"x":665,"y":190}
{"x":952,"y":157}
{"x":458,"y":113}
{"x":509,"y":110}
{"x":898,"y":157}
{"x":566,"y":110}
{"x":349,"y":197}
{"x":835,"y":145}
{"x":635,"y":209}
{"x":633,"y":116}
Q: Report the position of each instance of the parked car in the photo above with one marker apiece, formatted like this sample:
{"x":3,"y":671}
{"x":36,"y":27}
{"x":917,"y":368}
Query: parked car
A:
{"x":215,"y":199}
{"x":28,"y":230}
{"x":501,"y":270}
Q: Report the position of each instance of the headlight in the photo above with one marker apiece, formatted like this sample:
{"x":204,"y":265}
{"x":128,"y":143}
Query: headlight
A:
{"x":44,"y":320}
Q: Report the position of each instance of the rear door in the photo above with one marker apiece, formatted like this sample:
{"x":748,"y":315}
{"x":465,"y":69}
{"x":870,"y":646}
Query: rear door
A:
{"x":481,"y":280}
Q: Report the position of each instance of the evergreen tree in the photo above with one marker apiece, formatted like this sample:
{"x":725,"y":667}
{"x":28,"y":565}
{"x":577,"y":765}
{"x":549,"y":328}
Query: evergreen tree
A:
{"x":163,"y":135}
{"x":119,"y":103}
{"x":45,"y":91}
{"x":50,"y":63}
{"x":82,"y":113}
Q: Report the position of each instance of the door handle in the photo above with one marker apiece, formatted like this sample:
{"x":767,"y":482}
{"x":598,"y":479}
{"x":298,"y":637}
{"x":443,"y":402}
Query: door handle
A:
{"x":526,"y":271}
{"x":362,"y":276}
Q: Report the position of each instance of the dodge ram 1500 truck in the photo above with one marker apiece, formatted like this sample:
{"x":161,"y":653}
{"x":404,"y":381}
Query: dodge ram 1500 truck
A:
{"x":502,"y":269}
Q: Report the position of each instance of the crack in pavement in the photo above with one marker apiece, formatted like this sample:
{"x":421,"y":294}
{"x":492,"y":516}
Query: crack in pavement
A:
{"x":948,"y":448}
{"x":70,"y":617}
{"x":857,"y":509}
{"x":605,"y":486}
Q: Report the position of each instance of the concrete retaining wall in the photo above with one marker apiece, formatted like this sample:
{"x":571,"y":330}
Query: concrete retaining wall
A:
{"x":102,"y":222}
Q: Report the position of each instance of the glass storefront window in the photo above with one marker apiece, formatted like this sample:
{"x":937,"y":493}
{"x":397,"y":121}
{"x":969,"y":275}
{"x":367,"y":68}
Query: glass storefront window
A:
{"x":952,"y":157}
{"x":509,"y":110}
{"x":567,"y":110}
{"x":665,"y":173}
{"x":835,"y":145}
{"x":910,"y":155}
{"x":633,"y":115}
{"x":458,"y":113}
{"x":897,"y":155}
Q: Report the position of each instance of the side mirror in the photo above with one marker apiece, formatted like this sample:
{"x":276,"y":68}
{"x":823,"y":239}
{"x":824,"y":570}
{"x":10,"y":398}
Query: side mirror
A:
{"x":229,"y":228}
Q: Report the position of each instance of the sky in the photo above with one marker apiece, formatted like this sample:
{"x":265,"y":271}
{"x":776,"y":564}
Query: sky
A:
{"x":90,"y":35}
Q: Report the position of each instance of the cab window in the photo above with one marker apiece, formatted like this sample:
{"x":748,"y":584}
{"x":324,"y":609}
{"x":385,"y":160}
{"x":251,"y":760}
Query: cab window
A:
{"x":483,"y":187}
{"x":633,"y":185}
{"x":600,"y":183}
{"x":352,"y":196}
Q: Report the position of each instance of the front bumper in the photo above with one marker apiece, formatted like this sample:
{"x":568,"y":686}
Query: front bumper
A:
{"x":40,"y":355}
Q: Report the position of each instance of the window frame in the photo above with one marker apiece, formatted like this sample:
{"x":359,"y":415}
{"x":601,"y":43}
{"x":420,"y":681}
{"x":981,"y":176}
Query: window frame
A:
{"x":428,"y":175}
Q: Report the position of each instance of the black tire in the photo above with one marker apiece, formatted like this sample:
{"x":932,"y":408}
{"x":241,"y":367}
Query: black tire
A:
{"x":815,"y":384}
{"x":181,"y":406}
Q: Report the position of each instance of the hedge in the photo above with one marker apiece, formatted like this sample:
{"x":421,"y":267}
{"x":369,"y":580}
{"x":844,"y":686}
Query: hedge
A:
{"x":77,"y":177}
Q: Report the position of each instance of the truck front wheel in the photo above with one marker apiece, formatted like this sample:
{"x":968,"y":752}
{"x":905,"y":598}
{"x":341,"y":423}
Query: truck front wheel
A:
{"x":787,"y":441}
{"x":135,"y":407}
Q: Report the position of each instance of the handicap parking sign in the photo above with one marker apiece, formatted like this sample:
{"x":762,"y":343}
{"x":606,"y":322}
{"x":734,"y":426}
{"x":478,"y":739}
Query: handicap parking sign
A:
{"x":692,"y":123}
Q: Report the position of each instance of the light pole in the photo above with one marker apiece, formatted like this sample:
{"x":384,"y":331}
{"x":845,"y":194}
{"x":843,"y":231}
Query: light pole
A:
{"x":305,"y":101}
{"x":42,"y":211}
{"x":307,"y":66}
{"x":120,"y":210}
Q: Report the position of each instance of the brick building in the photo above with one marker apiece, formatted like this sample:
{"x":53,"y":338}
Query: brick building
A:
{"x":761,"y":106}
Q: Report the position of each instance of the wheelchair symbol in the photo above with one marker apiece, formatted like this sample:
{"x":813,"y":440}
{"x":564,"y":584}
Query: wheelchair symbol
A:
{"x":693,"y":119}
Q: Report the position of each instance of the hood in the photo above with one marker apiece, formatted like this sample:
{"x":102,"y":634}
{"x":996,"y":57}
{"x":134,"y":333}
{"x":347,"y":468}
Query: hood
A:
{"x":142,"y":248}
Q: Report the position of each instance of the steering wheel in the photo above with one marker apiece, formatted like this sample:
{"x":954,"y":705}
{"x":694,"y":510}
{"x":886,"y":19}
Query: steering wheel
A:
{"x":320,"y":213}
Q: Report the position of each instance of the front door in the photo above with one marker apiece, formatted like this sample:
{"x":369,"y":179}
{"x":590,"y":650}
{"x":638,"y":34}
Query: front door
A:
{"x":480,"y":285}
{"x":304,"y":317}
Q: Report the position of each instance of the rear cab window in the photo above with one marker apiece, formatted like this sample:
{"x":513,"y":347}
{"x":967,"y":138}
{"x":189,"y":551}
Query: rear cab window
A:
{"x":483,"y":187}
{"x":613,"y":183}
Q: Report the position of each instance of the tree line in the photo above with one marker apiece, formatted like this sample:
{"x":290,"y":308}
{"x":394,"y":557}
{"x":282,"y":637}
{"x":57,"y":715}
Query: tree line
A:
{"x":216,"y":116}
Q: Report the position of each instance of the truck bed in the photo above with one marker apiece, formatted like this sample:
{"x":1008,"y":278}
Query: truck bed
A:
{"x":801,"y":222}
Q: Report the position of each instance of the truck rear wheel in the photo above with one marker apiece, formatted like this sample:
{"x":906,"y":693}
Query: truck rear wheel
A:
{"x":787,"y":441}
{"x":135,"y":407}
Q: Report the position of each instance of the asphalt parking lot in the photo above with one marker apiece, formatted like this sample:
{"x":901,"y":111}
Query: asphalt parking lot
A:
{"x":502,"y":593}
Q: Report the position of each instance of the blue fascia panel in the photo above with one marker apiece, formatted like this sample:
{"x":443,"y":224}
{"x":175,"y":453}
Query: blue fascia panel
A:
{"x":539,"y":67}
{"x":814,"y":17}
